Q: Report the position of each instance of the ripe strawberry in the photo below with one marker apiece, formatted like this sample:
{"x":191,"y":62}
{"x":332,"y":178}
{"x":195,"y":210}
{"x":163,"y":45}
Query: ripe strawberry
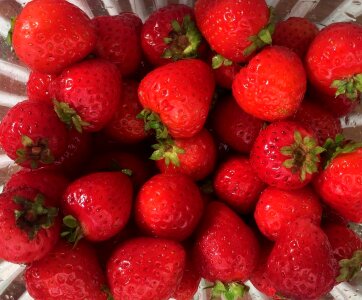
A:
{"x":225,"y":74}
{"x":235,"y":127}
{"x":38,"y":85}
{"x":301,"y":265}
{"x":98,"y":206}
{"x":270,"y":95}
{"x":237,"y":184}
{"x":67,"y":272}
{"x":296,"y":34}
{"x":87,"y":94}
{"x":170,"y":34}
{"x":29,"y":226}
{"x":334,"y":61}
{"x":285,"y":155}
{"x":32,"y":135}
{"x":197,"y":159}
{"x":50,"y":35}
{"x":232,"y":28}
{"x":119,"y":41}
{"x":277,"y":208}
{"x":146,"y":268}
{"x":169,"y":206}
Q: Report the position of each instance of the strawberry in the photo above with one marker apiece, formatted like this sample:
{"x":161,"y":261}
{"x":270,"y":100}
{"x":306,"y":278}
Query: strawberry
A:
{"x":296,"y":34}
{"x":67,"y":272}
{"x":236,"y":183}
{"x":97,"y":205}
{"x":197,"y":159}
{"x":225,"y":74}
{"x":119,"y":41}
{"x":277,"y":208}
{"x":232,"y":28}
{"x":235,"y":127}
{"x":169,"y":206}
{"x":29,"y":226}
{"x":170,"y":34}
{"x":38,"y":85}
{"x":301,"y":265}
{"x":285,"y":155}
{"x":334,"y":62}
{"x":270,"y":95}
{"x":50,"y":35}
{"x":87,"y":94}
{"x":32,"y":135}
{"x":146,"y":268}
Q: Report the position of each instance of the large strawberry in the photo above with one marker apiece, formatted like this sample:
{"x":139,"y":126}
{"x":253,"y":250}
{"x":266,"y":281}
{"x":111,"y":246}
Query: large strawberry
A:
{"x":272,"y":86}
{"x":146,"y":268}
{"x":32,"y":135}
{"x":50,"y":35}
{"x":37,"y":87}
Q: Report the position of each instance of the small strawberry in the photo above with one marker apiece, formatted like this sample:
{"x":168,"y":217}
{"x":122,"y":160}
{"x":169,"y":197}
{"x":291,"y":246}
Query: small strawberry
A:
{"x":37,"y":87}
{"x":169,"y":206}
{"x":285,"y":155}
{"x":32,"y":135}
{"x":67,"y":272}
{"x":237,"y":184}
{"x":267,"y":95}
{"x":277,"y":208}
{"x":29,"y":226}
{"x":119,"y":41}
{"x":225,"y":74}
{"x":146,"y":268}
{"x":301,"y":265}
{"x":50,"y":35}
{"x":97,"y":206}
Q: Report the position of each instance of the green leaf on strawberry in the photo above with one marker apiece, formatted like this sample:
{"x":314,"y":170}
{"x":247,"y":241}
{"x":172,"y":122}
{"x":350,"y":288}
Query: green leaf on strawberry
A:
{"x":218,"y":61}
{"x":72,"y":230}
{"x":230,"y":291}
{"x":9,"y":37}
{"x":350,"y":87}
{"x":349,"y":268}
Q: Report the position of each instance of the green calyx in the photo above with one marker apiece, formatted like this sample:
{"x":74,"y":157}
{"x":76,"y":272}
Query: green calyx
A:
{"x":69,"y":116}
{"x":230,"y":291}
{"x":9,"y":37}
{"x":183,"y":41}
{"x":34,"y":152}
{"x":218,"y":61}
{"x":351,"y":87}
{"x":72,"y":230}
{"x":304,"y":155}
{"x":153,"y":122}
{"x":350,"y":267}
{"x":33,"y":215}
{"x":105,"y":289}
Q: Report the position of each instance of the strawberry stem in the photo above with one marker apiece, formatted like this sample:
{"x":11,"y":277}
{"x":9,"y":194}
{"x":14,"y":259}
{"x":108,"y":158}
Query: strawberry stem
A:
{"x":72,"y":230}
{"x":230,"y":291}
{"x":351,"y":87}
{"x":350,"y":267}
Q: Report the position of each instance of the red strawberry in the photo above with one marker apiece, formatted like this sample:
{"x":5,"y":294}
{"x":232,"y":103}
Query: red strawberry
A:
{"x":169,"y":206}
{"x":100,"y":202}
{"x":235,"y":127}
{"x":270,"y":95}
{"x":237,"y":184}
{"x":334,"y":61}
{"x":119,"y":41}
{"x":225,"y":74}
{"x":38,"y":85}
{"x":170,"y":34}
{"x":146,"y":268}
{"x":285,"y":155}
{"x":50,"y":35}
{"x":197,"y":159}
{"x":296,"y":34}
{"x":301,"y":265}
{"x":277,"y":208}
{"x":232,"y":28}
{"x":87,"y":94}
{"x":67,"y":272}
{"x":29,"y":226}
{"x":31,"y":134}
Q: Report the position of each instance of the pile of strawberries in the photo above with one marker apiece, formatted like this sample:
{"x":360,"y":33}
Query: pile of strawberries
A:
{"x":249,"y":177}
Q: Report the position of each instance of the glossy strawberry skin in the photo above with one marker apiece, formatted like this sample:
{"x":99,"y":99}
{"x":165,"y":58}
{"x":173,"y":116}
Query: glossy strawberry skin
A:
{"x":37,"y":87}
{"x":237,"y":184}
{"x":101,"y":202}
{"x":119,"y":41}
{"x":271,"y":96}
{"x":225,"y":248}
{"x":181,"y":93}
{"x":146,"y":268}
{"x":301,"y":264}
{"x":339,"y":185}
{"x":49,"y":47}
{"x":169,"y":206}
{"x":67,"y":272}
{"x":199,"y":158}
{"x":227,"y":25}
{"x":277,"y":208}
